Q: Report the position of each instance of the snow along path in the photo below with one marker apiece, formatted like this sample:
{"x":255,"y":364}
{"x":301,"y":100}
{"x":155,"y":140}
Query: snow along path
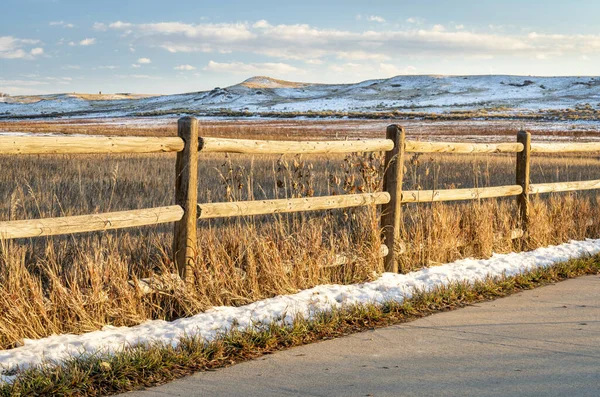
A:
{"x":389,"y":287}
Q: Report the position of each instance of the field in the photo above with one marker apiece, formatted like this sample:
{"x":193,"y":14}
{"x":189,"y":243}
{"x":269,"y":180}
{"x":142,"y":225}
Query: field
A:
{"x":80,"y":283}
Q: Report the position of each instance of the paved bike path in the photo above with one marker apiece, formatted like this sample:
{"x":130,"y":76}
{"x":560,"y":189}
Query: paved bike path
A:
{"x":543,"y":342}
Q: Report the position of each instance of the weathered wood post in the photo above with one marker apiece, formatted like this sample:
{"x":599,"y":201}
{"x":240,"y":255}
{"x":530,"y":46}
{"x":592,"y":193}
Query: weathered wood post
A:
{"x":391,"y":214}
{"x":186,"y":195}
{"x":523,"y":167}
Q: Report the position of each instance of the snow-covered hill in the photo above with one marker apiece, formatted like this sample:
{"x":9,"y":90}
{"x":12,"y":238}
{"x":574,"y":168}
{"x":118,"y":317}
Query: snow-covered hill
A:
{"x":434,"y":94}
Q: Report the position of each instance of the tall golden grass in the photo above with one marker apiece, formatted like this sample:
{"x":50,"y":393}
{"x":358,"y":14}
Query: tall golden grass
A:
{"x":82,"y":282}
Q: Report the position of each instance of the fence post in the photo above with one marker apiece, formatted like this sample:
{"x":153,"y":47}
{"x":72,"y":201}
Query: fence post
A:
{"x":391,"y":213}
{"x":523,"y":166}
{"x":186,"y":195}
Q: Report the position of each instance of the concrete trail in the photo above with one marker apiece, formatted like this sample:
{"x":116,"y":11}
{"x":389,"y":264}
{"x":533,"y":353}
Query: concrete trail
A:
{"x":543,"y":342}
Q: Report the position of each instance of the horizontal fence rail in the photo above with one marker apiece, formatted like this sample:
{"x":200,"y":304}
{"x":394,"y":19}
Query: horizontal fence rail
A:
{"x":261,"y":207}
{"x":222,"y":145}
{"x":565,"y":147}
{"x":563,"y":186}
{"x":188,"y":145}
{"x":428,"y":196}
{"x":89,"y":223}
{"x":456,"y":147}
{"x":88,"y":144}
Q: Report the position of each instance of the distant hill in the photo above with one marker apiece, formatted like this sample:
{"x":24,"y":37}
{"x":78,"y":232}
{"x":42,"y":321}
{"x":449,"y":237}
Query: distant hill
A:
{"x":268,"y":82}
{"x":265,"y":95}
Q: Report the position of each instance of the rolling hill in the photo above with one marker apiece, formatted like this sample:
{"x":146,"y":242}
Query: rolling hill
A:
{"x":261,"y":95}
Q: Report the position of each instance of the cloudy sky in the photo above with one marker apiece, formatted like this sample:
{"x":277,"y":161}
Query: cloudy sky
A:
{"x":158,"y":46}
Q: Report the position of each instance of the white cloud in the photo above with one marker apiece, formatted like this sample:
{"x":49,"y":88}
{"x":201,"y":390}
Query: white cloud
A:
{"x":252,"y":68}
{"x":222,"y":32}
{"x":119,"y":25}
{"x":99,"y":26}
{"x":184,"y":67}
{"x":375,"y":18}
{"x":109,"y":67}
{"x":361,"y":56}
{"x":135,"y":65}
{"x":314,"y":61}
{"x":309,"y":44}
{"x":138,"y":76}
{"x":144,"y":60}
{"x":15,"y":48}
{"x":415,"y":20}
{"x":87,"y":41}
{"x":261,"y":24}
{"x":62,"y":24}
{"x":73,"y":67}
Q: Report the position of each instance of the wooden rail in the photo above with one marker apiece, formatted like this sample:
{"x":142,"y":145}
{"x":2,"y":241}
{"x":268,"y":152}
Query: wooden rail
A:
{"x":69,"y":144}
{"x":564,"y":186}
{"x":261,"y":207}
{"x":428,"y":196}
{"x":456,"y":147}
{"x":89,"y":223}
{"x":565,"y":147}
{"x":187,"y":211}
{"x":222,"y":145}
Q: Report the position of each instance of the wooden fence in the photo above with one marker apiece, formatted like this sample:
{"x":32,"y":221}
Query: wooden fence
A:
{"x":187,"y":210}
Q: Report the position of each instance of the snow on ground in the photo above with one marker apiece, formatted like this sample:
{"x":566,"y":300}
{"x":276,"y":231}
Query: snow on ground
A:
{"x":432,"y":94}
{"x":389,"y":287}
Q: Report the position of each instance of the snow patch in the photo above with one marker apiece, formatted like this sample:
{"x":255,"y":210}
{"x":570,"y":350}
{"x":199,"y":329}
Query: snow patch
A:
{"x":432,"y":94}
{"x":283,"y":309}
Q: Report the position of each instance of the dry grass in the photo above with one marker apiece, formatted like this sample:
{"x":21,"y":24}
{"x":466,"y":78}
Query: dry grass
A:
{"x":471,"y":130}
{"x":150,"y":365}
{"x":79,"y":283}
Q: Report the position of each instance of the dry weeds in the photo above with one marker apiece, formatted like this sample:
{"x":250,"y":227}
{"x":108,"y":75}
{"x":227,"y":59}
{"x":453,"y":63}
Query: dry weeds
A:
{"x":80,"y":283}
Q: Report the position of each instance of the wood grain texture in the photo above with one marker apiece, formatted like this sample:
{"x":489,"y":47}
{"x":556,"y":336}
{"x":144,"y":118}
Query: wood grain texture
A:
{"x":88,"y":144}
{"x":89,"y":223}
{"x":428,"y":196}
{"x":563,"y":186}
{"x":565,"y":147}
{"x":391,"y":213}
{"x":185,"y":244}
{"x":261,"y":207}
{"x":456,"y":147}
{"x":523,"y":179}
{"x":292,"y":147}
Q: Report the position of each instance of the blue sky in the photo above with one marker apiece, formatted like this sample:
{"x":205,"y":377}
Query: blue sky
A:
{"x":49,"y":46}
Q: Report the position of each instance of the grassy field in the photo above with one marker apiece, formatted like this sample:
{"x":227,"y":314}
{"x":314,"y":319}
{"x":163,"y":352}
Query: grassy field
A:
{"x":80,"y":283}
